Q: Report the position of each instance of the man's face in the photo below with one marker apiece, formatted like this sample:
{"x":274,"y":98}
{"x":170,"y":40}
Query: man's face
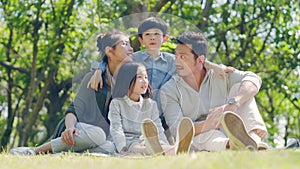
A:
{"x":185,"y":61}
{"x":152,"y":38}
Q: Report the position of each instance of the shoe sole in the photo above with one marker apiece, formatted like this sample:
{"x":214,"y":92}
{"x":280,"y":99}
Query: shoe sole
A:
{"x":150,"y":133}
{"x":186,"y":132}
{"x":236,"y":131}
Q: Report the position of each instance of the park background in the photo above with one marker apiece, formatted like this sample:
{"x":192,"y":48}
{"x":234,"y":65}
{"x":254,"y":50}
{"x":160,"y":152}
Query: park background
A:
{"x":44,"y":52}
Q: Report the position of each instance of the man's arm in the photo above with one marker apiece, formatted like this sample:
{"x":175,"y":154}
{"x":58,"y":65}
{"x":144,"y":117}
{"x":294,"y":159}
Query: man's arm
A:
{"x":243,"y":86}
{"x":245,"y":91}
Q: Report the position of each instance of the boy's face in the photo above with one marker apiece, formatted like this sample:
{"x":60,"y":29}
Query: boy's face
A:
{"x":152,"y":38}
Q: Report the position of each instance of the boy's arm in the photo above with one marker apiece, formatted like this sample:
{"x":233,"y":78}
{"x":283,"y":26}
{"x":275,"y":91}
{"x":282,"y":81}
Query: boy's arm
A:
{"x":96,"y":79}
{"x":221,"y":70}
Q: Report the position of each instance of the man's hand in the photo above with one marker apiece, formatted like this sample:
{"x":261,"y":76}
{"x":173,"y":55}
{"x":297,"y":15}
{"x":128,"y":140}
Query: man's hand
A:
{"x":230,"y":107}
{"x":214,"y":117}
{"x":96,"y":80}
{"x":67,"y":136}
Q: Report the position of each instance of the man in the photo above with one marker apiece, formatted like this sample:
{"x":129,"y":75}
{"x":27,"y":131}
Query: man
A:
{"x":199,"y":94}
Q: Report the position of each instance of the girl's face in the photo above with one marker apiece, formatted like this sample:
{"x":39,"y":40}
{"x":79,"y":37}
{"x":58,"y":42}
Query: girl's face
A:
{"x":122,"y":50}
{"x":141,"y":82}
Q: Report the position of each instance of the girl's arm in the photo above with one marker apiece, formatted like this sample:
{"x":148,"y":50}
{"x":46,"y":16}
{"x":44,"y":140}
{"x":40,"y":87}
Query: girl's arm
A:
{"x":116,"y":128}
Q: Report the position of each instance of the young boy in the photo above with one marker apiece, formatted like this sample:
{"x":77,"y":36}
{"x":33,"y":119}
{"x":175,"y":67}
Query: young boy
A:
{"x":153,"y":32}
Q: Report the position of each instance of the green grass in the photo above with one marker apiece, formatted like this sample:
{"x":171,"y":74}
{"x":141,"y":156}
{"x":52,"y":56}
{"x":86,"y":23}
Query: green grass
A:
{"x":202,"y":160}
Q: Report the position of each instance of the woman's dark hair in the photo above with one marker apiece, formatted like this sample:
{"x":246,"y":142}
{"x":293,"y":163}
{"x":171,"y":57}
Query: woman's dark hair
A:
{"x":126,"y":78}
{"x":109,"y":39}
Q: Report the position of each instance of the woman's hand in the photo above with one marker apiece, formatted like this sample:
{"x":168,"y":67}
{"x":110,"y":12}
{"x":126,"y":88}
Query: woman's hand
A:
{"x":67,"y":136}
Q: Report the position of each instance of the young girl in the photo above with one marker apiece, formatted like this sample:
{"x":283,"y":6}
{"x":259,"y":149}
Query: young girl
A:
{"x":132,"y":108}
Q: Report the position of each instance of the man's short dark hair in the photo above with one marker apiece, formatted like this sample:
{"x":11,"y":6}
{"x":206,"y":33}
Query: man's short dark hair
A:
{"x":153,"y":22}
{"x":197,"y":40}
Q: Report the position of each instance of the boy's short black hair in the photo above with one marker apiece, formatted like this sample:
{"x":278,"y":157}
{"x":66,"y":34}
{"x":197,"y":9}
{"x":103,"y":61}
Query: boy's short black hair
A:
{"x":197,"y":40}
{"x":153,"y":22}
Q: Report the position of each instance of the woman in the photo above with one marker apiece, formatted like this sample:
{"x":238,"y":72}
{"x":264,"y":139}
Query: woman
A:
{"x":86,"y":126}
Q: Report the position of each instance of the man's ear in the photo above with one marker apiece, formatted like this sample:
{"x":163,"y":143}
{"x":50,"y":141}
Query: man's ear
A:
{"x":201,"y":58}
{"x":165,"y":38}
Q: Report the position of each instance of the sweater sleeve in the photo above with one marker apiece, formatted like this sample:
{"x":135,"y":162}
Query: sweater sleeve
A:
{"x":116,"y":128}
{"x":240,"y":76}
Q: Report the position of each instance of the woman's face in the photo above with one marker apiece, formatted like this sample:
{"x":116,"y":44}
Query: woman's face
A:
{"x":122,"y":52}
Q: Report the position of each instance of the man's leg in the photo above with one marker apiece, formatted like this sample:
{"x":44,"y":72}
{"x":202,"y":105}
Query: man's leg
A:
{"x":251,"y":116}
{"x":236,"y":131}
{"x":213,"y":140}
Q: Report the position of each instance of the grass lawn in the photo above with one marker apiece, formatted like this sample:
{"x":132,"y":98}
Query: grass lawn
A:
{"x":281,"y":159}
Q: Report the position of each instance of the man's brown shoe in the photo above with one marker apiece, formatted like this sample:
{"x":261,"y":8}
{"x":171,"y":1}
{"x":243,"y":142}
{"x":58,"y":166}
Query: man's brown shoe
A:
{"x":236,"y":131}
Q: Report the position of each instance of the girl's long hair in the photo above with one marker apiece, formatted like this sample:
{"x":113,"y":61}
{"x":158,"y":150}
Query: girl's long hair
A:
{"x":125,"y":80}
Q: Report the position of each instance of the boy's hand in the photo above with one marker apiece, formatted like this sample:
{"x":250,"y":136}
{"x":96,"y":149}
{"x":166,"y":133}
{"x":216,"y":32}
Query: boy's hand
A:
{"x":222,"y":71}
{"x":96,"y":80}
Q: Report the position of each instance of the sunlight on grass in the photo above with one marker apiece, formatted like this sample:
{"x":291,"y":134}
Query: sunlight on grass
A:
{"x":224,"y":160}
